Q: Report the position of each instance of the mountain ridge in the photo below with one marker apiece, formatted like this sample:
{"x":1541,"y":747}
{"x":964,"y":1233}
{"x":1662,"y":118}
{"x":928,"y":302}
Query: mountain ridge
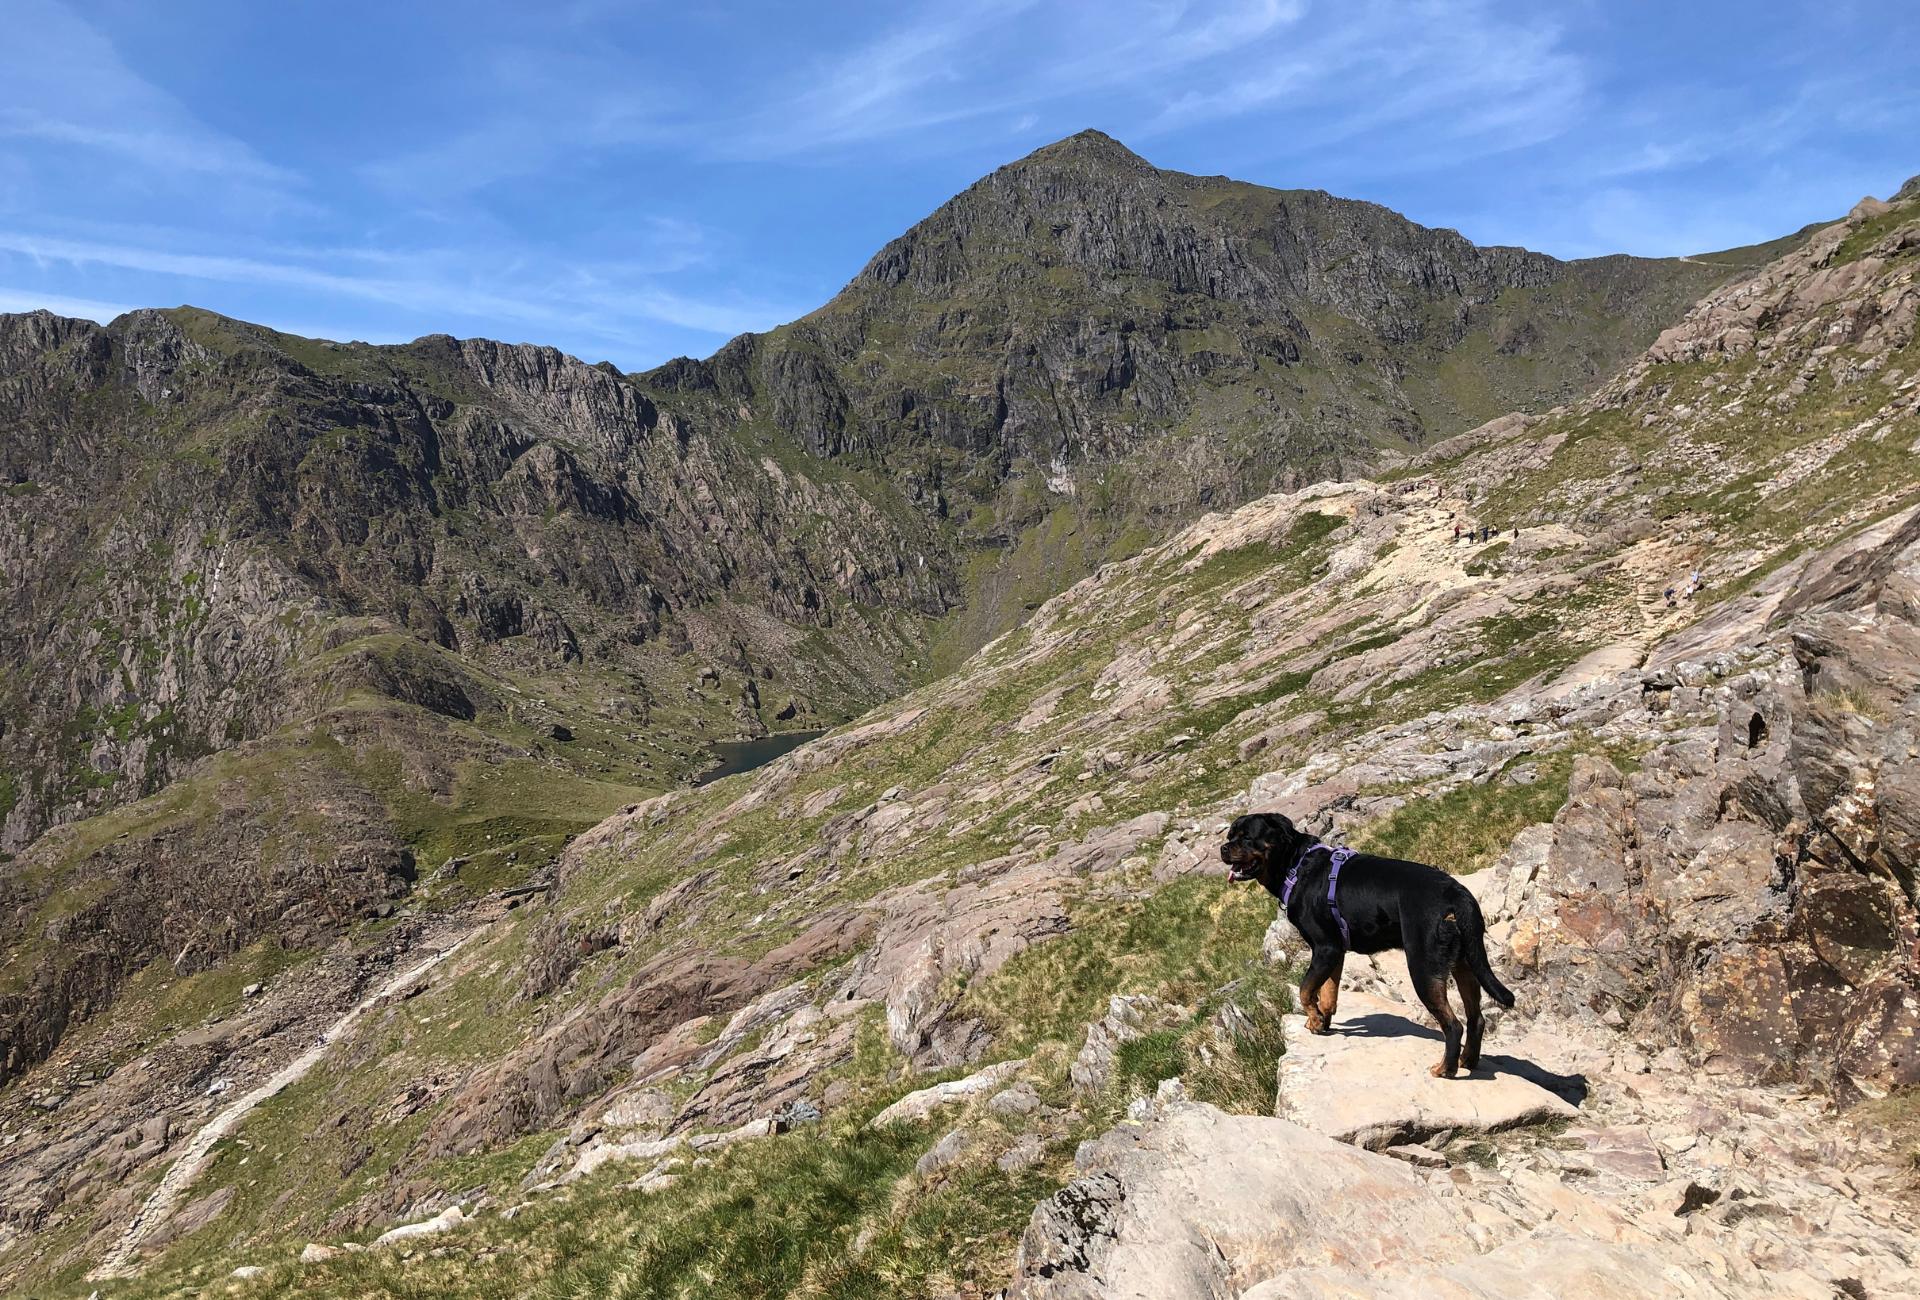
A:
{"x":1053,"y":482}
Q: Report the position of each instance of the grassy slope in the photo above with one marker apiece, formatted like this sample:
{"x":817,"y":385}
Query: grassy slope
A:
{"x":1189,"y":942}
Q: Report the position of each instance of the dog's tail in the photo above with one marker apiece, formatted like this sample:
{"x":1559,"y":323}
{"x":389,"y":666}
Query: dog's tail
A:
{"x":1473,"y":939}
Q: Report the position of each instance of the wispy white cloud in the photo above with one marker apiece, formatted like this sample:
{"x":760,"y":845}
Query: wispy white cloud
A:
{"x":159,"y":149}
{"x":14,"y":300}
{"x":547,"y":108}
{"x":1454,"y":73}
{"x":980,"y":60}
{"x":606,"y":301}
{"x":63,"y":83}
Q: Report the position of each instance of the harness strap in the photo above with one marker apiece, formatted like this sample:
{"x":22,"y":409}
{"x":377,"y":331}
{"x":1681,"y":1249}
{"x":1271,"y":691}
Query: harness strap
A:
{"x":1340,"y":856}
{"x":1337,"y":858}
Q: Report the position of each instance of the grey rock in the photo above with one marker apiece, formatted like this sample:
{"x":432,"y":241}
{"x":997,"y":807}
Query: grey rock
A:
{"x":947,"y":1151}
{"x":1027,"y":1151}
{"x":1370,"y":1083}
{"x":1128,"y":1017}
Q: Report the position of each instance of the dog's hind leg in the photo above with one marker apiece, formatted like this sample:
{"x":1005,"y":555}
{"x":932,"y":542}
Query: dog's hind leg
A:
{"x":1320,"y":989}
{"x":1433,"y":993}
{"x":1469,"y":986}
{"x":1432,"y":953}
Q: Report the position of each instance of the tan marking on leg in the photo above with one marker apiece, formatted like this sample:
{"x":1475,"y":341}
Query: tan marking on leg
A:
{"x":1310,"y":1006}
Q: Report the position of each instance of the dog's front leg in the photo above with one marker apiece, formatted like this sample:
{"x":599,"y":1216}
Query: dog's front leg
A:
{"x":1320,"y":990}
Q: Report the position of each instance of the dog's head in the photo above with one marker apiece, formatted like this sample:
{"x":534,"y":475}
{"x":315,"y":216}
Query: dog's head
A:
{"x":1261,"y":846}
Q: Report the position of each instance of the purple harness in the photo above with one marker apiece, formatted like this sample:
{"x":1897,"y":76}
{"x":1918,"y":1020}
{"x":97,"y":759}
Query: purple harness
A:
{"x":1337,"y":858}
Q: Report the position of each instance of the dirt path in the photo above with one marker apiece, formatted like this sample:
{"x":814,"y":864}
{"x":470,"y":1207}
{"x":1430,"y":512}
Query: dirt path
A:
{"x":193,"y":1157}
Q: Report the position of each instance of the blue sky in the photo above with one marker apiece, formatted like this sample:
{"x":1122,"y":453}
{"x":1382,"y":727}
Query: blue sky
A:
{"x":635,"y":181}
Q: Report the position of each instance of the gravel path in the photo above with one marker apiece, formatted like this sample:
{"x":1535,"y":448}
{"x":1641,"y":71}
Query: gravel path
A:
{"x":180,"y":1176}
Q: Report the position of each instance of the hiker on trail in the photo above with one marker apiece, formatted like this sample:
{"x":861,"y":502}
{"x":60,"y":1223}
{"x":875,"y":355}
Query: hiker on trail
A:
{"x":1456,"y":532}
{"x":1694,"y":584}
{"x":1670,"y":602}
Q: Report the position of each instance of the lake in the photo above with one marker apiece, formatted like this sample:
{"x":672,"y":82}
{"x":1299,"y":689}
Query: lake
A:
{"x":733,"y":756}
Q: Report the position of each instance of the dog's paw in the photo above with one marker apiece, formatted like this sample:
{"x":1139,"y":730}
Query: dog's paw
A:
{"x":1440,"y":1071}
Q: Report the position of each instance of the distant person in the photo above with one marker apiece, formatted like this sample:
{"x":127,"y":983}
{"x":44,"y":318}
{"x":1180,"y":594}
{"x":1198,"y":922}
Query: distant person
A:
{"x":1670,"y":600}
{"x":1456,"y":532}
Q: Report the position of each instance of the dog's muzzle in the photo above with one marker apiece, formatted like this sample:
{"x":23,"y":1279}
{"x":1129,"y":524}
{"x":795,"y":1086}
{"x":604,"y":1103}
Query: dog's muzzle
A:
{"x":1239,"y":864}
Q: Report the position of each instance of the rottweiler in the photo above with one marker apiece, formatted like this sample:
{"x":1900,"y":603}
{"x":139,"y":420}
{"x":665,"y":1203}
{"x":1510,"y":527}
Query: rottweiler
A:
{"x":1373,"y":904}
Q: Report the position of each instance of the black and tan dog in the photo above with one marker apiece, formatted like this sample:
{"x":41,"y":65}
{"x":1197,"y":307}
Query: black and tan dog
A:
{"x":1341,"y":901}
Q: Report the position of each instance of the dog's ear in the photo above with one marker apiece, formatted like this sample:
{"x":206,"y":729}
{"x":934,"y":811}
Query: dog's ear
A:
{"x":1278,"y":835}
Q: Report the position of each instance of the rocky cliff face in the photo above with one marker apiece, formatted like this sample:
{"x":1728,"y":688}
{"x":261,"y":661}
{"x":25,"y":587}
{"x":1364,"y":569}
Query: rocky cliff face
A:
{"x":195,"y":507}
{"x":267,"y":584}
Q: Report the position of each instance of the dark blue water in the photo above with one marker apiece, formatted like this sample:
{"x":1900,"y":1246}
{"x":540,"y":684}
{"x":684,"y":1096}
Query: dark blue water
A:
{"x":744,"y":755}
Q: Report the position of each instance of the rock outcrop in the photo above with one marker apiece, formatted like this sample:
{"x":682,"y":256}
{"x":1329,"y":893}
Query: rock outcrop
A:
{"x":1369,"y":1081}
{"x":1194,"y":1204}
{"x":1747,"y":892}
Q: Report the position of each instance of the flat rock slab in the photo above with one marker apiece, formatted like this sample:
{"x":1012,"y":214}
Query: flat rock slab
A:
{"x":1198,"y":1205}
{"x":919,"y":1105}
{"x":1369,"y":1082}
{"x":1625,"y":1151}
{"x":1608,"y":660}
{"x":1193,"y":1204}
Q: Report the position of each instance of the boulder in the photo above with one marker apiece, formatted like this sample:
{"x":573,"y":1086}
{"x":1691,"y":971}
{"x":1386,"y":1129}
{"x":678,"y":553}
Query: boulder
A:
{"x":445,"y":1221}
{"x":948,"y":1150}
{"x":1020,"y":1099}
{"x":919,"y":1105}
{"x":1369,"y":1081}
{"x":1027,"y":1151}
{"x":1282,"y":944}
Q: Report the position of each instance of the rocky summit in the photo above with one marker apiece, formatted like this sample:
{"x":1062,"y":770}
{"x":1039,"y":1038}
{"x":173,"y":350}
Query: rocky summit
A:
{"x":363,"y":936}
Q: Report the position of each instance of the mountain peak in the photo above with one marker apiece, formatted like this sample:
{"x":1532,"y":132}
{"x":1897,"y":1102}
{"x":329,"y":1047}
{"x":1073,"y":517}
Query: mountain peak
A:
{"x":1092,"y":147}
